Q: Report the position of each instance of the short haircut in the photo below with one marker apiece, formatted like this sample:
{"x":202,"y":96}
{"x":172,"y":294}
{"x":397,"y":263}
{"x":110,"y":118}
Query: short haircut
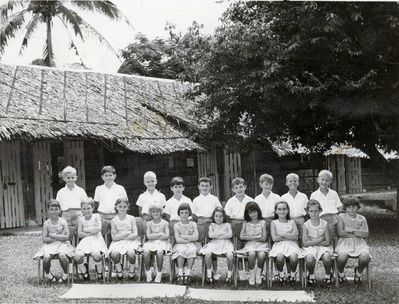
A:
{"x":266,"y":178}
{"x":184,"y":206}
{"x":177,"y":180}
{"x":155,"y":206}
{"x":204,"y":179}
{"x":53,"y":203}
{"x":121,"y":201}
{"x":275,"y":209}
{"x":219,"y":209}
{"x":150,"y":174}
{"x":108,"y":169}
{"x":249,"y":207}
{"x":325,"y":172}
{"x":68,"y":170}
{"x":351,"y":201}
{"x":292,"y":175}
{"x":312,"y":203}
{"x":238,"y":181}
{"x":89,"y":201}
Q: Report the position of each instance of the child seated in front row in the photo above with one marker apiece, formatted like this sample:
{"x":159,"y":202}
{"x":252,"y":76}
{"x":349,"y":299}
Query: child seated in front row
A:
{"x":220,"y":233}
{"x":186,"y":247}
{"x":55,"y":238}
{"x":157,"y":233}
{"x":92,"y":242}
{"x":352,"y":231}
{"x":254,"y":232}
{"x":316,"y":242}
{"x":284,"y":234}
{"x":125,"y":239}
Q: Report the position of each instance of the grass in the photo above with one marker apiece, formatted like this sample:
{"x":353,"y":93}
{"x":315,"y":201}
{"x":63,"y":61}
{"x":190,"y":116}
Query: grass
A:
{"x":18,"y":276}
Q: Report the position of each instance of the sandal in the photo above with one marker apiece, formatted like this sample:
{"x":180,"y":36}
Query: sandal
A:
{"x":209,"y":280}
{"x":311,"y":281}
{"x":119,"y":275}
{"x":357,"y":277}
{"x":131,"y":275}
{"x":342,"y":279}
{"x":186,"y":280}
{"x":53,"y":279}
{"x":62,"y":280}
{"x":292,"y":280}
{"x":329,"y":280}
{"x":99,"y":274}
{"x":179,"y":279}
{"x":277,"y":278}
{"x":86,"y":275}
{"x":229,"y":279}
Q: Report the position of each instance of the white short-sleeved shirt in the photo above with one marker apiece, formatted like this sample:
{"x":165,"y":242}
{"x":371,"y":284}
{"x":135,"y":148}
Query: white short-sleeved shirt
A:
{"x":266,"y":205}
{"x":146,"y":199}
{"x":107,"y":196}
{"x":235,"y":209}
{"x":330,"y":202}
{"x":203,"y":205}
{"x":71,"y":198}
{"x":172,"y":205}
{"x":297,"y":204}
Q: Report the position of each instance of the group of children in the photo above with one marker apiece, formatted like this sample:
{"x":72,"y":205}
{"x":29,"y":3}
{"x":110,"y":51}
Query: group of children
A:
{"x":185,"y":228}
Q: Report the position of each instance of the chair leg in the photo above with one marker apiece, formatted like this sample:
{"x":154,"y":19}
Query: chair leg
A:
{"x":73,"y":270}
{"x":336,"y":273}
{"x":300,"y":265}
{"x":203,"y":271}
{"x":236,"y":261}
{"x":271,"y":271}
{"x":139,"y":262}
{"x":368,"y":276}
{"x":38,"y":272}
{"x":109,"y":269}
{"x":305,"y":270}
{"x":267,"y":272}
{"x":103,"y":271}
{"x":172,"y":267}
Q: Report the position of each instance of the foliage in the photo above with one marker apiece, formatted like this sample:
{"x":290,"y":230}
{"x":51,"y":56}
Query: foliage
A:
{"x":315,"y":73}
{"x":174,"y":58}
{"x":15,"y":12}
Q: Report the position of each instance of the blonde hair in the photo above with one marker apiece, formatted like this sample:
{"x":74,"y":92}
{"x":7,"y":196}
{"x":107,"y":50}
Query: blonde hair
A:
{"x":68,"y":170}
{"x":325,"y":172}
{"x":150,"y":174}
{"x":155,"y":206}
{"x":292,"y":175}
{"x":266,"y":177}
{"x":89,"y":201}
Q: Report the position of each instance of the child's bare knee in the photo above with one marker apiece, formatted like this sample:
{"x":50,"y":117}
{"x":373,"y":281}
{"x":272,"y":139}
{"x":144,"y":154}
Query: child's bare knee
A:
{"x":46,"y":258}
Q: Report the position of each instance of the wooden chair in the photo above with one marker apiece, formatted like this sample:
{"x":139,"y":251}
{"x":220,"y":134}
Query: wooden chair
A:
{"x":334,"y":258}
{"x":40,"y":270}
{"x":202,"y":257}
{"x":244,"y":258}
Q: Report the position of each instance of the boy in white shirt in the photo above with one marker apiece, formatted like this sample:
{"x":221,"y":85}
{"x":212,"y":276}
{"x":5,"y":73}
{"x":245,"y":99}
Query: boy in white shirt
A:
{"x":297,"y":201}
{"x":70,"y":198}
{"x":106,"y":195}
{"x":235,"y":206}
{"x":203,"y":206}
{"x":172,"y":204}
{"x":328,"y":199}
{"x":267,"y":199}
{"x":148,"y":198}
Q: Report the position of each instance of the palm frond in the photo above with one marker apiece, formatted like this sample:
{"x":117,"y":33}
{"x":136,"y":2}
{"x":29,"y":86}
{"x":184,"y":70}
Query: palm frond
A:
{"x":11,"y":26}
{"x":105,"y":7}
{"x":30,"y":28}
{"x":10,"y":6}
{"x":68,"y":16}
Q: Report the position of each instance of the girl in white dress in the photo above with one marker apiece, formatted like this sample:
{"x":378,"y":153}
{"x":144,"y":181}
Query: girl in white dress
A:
{"x":253,"y":231}
{"x":125,"y":238}
{"x":92,"y":242}
{"x":285,"y":249}
{"x":220,"y":233}
{"x":56,"y":242}
{"x":316,"y":242}
{"x":352,"y":231}
{"x":157,"y":233}
{"x":186,"y":248}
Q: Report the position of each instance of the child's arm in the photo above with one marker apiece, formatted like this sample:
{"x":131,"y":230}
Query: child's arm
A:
{"x":45,"y":235}
{"x":96,"y":228}
{"x":264,"y":233}
{"x":327,"y":238}
{"x":64,"y":234}
{"x":116,"y":235}
{"x":193,"y":237}
{"x":342,"y":230}
{"x":363,"y":231}
{"x":150,"y":235}
{"x":178,"y":238}
{"x":307,"y":241}
{"x":212,"y":233}
{"x":165,"y":236}
{"x":228,"y":234}
{"x":273,"y":233}
{"x":292,"y":236}
{"x":145,"y":216}
{"x":135,"y":233}
{"x":243,"y":232}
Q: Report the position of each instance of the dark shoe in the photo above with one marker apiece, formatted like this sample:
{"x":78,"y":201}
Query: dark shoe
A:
{"x":209,"y":280}
{"x":186,"y":280}
{"x":277,"y":278}
{"x":311,"y":281}
{"x":357,"y":277}
{"x":342,"y":279}
{"x":99,"y":274}
{"x":180,"y":280}
{"x":131,"y":276}
{"x":62,"y":280}
{"x":53,"y":279}
{"x":292,"y":280}
{"x":119,"y":275}
{"x":86,"y":275}
{"x":329,"y":280}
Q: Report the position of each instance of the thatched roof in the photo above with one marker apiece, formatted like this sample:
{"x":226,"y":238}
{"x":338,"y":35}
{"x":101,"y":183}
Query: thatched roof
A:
{"x":142,"y":114}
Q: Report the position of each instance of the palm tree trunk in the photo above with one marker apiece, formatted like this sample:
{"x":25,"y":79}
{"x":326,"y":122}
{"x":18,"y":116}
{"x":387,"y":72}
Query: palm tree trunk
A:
{"x":49,"y":58}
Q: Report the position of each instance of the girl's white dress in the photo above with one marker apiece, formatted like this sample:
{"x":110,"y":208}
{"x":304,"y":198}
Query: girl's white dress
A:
{"x":254,"y":229}
{"x":188,"y":250}
{"x":93,"y":242}
{"x":56,"y":247}
{"x":313,"y":233}
{"x":125,"y":225}
{"x":287,"y":247}
{"x":353,"y":246}
{"x":155,"y":245}
{"x":218,"y":246}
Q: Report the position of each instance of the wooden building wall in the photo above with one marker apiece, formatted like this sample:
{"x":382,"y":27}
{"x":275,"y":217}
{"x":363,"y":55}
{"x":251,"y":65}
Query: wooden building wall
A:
{"x":373,"y":178}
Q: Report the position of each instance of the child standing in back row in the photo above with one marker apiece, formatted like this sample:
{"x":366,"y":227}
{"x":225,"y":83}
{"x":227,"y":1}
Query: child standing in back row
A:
{"x":328,"y":199}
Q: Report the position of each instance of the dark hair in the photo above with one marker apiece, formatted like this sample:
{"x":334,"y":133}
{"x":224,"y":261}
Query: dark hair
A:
{"x":238,"y":181}
{"x":351,"y":201}
{"x":252,"y":206}
{"x":53,"y":203}
{"x":184,"y":206}
{"x":176,"y":181}
{"x":275,"y":210}
{"x":120,"y":201}
{"x":109,"y":169}
{"x":312,"y":203}
{"x":204,"y":179}
{"x":219,"y":209}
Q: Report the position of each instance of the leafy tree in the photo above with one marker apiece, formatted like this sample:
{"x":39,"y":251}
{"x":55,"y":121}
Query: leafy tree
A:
{"x":315,"y":73}
{"x":15,"y":12}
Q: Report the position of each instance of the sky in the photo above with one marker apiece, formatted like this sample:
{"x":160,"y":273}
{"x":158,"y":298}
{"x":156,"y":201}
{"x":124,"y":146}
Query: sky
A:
{"x":146,"y":16}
